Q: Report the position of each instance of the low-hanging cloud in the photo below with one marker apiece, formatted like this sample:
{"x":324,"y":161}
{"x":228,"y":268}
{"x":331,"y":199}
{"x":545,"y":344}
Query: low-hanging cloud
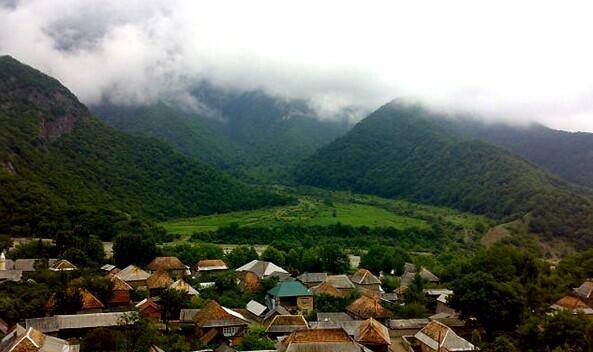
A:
{"x":517,"y":61}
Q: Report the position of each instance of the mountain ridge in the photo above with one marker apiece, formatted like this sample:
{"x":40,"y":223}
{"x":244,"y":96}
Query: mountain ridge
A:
{"x":405,"y":151}
{"x":57,"y":156}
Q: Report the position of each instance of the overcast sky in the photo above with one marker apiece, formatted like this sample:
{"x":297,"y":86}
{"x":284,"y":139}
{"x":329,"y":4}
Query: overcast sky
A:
{"x":513,"y":60}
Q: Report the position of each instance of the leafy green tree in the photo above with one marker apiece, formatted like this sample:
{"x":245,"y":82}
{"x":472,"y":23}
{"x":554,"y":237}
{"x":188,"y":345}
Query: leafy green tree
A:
{"x":138,"y":333}
{"x":133,"y":249}
{"x":415,"y":291}
{"x":333,"y":259}
{"x":100,"y":340}
{"x":171,"y":302}
{"x":497,"y":306}
{"x":501,"y":344}
{"x":273,"y":255}
{"x":256,"y":339}
{"x":386,"y":259}
{"x":241,"y":255}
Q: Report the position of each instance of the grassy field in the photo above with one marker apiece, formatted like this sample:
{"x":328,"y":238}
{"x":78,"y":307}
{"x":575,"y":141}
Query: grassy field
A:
{"x":317,"y":207}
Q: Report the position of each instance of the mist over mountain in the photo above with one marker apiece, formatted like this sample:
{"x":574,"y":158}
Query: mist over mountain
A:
{"x":250,"y":134}
{"x":568,"y":155}
{"x":55,"y":158}
{"x":457,"y":56}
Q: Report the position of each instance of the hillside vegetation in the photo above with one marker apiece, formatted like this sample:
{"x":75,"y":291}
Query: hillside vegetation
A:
{"x":57,"y":159}
{"x":249,"y":134}
{"x":318,"y":207}
{"x":568,"y":155}
{"x":404,"y":151}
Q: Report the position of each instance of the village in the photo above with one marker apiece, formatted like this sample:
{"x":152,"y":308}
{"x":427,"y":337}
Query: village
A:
{"x":285,"y":314}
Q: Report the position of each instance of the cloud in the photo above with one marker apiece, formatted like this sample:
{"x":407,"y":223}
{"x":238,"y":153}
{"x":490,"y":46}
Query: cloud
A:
{"x":516,"y":61}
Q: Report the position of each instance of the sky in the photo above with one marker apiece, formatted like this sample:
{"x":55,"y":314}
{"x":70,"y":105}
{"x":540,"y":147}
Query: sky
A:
{"x":516,"y":61}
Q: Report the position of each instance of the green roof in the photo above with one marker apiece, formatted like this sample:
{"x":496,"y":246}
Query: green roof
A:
{"x":289,"y":289}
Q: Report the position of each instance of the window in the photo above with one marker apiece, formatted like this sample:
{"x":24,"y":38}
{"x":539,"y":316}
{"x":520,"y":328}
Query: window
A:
{"x":230,"y":331}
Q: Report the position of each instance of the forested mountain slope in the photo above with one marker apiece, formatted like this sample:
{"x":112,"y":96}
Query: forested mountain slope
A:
{"x":250,"y":134}
{"x":55,"y":157}
{"x":405,"y":151}
{"x":565,"y":154}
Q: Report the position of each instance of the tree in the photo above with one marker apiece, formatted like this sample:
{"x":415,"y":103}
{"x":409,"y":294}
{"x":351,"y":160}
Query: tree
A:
{"x":415,"y":291}
{"x":241,"y":255}
{"x":386,"y":259}
{"x":256,"y":339}
{"x":138,"y":333}
{"x":100,"y":340}
{"x":274,"y":255}
{"x":171,"y":302}
{"x":498,"y":306}
{"x":133,"y":249}
{"x":501,"y":344}
{"x":333,"y":259}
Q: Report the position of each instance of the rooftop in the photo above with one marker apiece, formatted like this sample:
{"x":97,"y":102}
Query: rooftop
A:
{"x":437,"y":335}
{"x":289,"y":289}
{"x":166,"y":263}
{"x":261,"y":268}
{"x":364,"y":277}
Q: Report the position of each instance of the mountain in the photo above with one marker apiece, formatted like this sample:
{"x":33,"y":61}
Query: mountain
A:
{"x":568,"y":155}
{"x":55,"y":157}
{"x":250,"y":134}
{"x":407,"y":151}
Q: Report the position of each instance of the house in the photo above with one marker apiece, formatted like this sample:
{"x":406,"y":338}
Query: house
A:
{"x":363,"y":278}
{"x":319,"y":340}
{"x":23,"y":265}
{"x":187,"y":315}
{"x":262,"y":269}
{"x":441,"y":297}
{"x":90,"y":303}
{"x":410,"y":271}
{"x":76,"y":325}
{"x":215,"y":323}
{"x":585,"y":292}
{"x":62,"y":265}
{"x":148,"y":308}
{"x":293,"y":295}
{"x":248,"y":281}
{"x":389,"y":297}
{"x":312,"y":279}
{"x":572,"y":304}
{"x":406,"y":327}
{"x":23,"y":339}
{"x":283,"y":325}
{"x":210,"y":266}
{"x":121,"y":292}
{"x":270,"y":314}
{"x":333,"y":317}
{"x":439,"y":337}
{"x":172,"y":265}
{"x":373,"y":335}
{"x":256,"y":309}
{"x":365,"y":307}
{"x":157,"y":282}
{"x":134,"y":276}
{"x":110,"y":269}
{"x":325,"y":288}
{"x":11,"y":275}
{"x":342,"y":283}
{"x":183,"y":286}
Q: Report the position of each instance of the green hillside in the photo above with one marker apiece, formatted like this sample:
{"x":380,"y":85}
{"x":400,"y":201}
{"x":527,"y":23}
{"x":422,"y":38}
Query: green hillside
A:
{"x":56,"y":159}
{"x":404,"y":151}
{"x":566,"y":154}
{"x":327,"y":208}
{"x":250,"y":134}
